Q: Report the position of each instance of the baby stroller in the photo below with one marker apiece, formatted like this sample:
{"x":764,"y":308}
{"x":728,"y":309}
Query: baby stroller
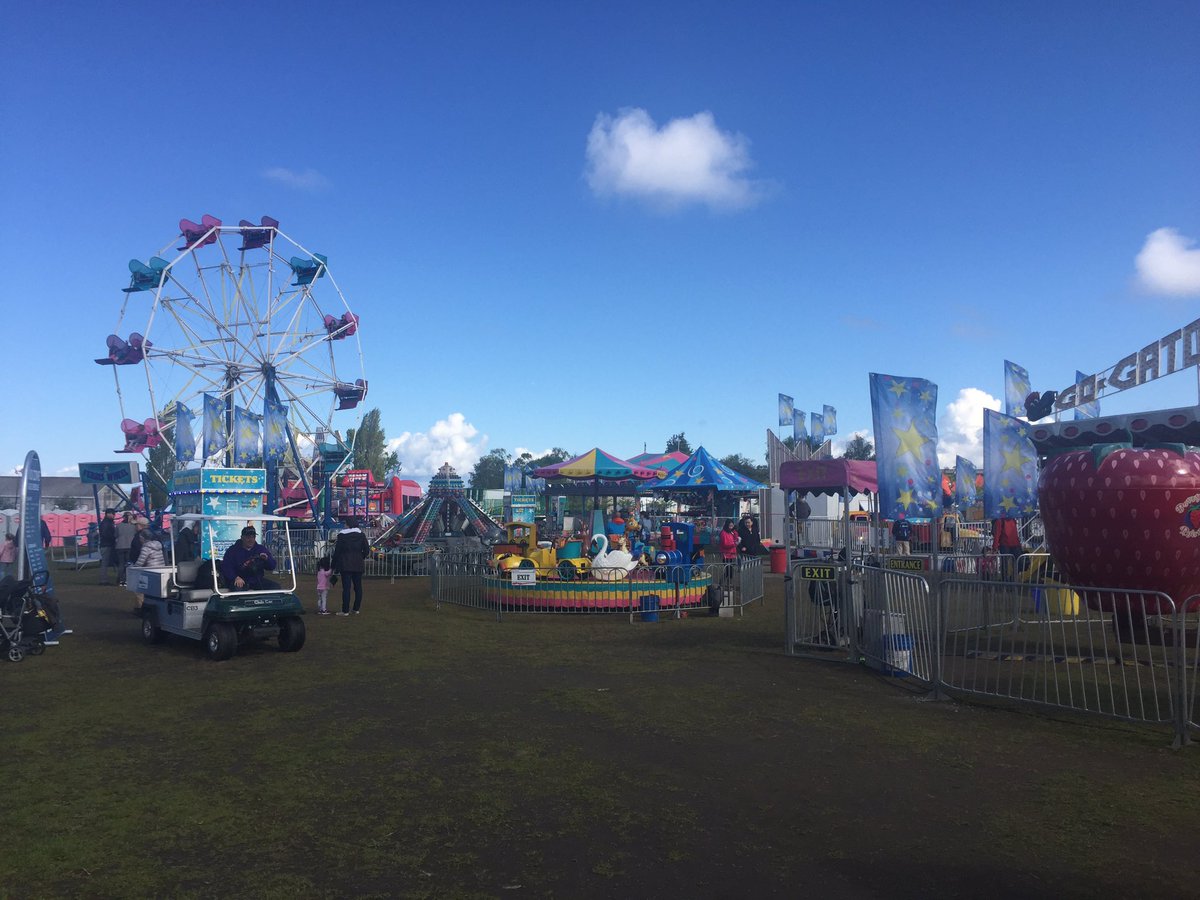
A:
{"x":23,"y":624}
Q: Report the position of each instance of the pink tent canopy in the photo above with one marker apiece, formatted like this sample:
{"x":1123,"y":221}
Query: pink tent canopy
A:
{"x":829,"y":476}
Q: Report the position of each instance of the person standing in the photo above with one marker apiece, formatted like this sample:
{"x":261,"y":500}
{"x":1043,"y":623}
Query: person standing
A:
{"x":187,"y":544}
{"x":727,"y":542}
{"x":350,"y":552}
{"x":8,"y":554}
{"x":749,"y":541}
{"x":902,"y":535}
{"x":126,"y":532}
{"x":324,"y":580}
{"x":47,"y":537}
{"x":150,"y":556}
{"x":1006,"y":541}
{"x":107,"y":538}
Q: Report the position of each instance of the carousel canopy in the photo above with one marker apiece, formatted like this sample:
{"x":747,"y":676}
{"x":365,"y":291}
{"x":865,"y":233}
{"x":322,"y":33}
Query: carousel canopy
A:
{"x":700,"y":472}
{"x":597,"y":465}
{"x":664,"y":461}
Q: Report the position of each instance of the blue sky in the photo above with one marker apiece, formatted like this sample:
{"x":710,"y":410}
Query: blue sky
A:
{"x":600,"y":224}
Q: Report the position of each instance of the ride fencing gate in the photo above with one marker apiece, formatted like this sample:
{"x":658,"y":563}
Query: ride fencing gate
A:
{"x":1024,"y":636}
{"x":310,"y":544}
{"x":471,"y":581}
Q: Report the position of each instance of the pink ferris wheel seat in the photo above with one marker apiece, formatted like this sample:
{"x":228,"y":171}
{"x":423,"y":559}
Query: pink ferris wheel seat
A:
{"x":125,"y":353}
{"x":194,"y":235}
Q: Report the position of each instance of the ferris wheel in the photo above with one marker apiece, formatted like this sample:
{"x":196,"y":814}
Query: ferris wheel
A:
{"x":234,"y":346}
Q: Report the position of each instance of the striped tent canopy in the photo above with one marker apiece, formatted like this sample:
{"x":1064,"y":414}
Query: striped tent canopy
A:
{"x":664,"y":461}
{"x":597,"y":465}
{"x":701,"y":472}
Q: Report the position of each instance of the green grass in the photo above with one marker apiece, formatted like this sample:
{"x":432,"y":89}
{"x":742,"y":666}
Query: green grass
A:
{"x":418,"y":752}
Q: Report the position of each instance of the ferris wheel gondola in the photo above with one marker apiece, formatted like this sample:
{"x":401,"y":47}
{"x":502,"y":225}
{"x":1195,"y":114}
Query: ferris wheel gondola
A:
{"x":238,"y":348}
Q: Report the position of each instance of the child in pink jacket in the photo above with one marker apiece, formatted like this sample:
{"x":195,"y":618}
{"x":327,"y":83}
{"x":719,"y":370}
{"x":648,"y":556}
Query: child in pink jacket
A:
{"x":324,"y":579}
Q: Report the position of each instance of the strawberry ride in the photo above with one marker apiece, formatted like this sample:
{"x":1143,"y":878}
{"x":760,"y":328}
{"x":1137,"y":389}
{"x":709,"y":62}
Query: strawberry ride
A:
{"x":1128,"y":519}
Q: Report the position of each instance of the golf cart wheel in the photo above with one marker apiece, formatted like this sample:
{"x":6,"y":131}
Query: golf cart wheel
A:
{"x":151,"y":633}
{"x":291,"y":634}
{"x":15,"y":654}
{"x":220,"y":642}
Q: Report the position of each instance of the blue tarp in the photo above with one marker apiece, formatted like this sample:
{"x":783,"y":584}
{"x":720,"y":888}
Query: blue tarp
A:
{"x":703,"y":473}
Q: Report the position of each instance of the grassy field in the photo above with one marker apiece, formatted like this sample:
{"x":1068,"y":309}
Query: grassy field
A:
{"x":415,"y":752}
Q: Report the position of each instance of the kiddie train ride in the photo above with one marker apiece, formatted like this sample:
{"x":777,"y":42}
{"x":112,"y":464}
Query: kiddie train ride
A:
{"x":611,"y":579}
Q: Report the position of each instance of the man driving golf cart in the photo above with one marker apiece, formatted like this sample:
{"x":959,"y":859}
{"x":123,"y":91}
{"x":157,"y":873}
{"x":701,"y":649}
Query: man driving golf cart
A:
{"x":244,"y":563}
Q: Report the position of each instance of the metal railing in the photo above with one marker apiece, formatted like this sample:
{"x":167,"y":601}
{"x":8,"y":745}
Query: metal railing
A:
{"x":310,"y":544}
{"x":1034,"y":639}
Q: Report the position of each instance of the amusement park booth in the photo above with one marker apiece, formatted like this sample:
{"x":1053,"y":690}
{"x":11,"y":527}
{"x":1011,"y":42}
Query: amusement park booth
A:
{"x":843,"y":477}
{"x":218,"y":492}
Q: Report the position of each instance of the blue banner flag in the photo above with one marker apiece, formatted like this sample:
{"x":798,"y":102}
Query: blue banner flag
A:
{"x":1016,"y":389}
{"x":1009,"y":467}
{"x":829,"y":414}
{"x":904,"y":412}
{"x":185,"y":437}
{"x":818,"y":429}
{"x":965,"y":474}
{"x":786,"y":411}
{"x":1085,"y":410}
{"x":215,"y":434}
{"x":246,"y":436}
{"x":799,"y":432}
{"x":275,"y":431}
{"x":31,"y":550}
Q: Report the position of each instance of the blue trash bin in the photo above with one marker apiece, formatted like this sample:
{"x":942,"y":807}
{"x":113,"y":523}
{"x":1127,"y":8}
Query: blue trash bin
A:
{"x":649,"y":606}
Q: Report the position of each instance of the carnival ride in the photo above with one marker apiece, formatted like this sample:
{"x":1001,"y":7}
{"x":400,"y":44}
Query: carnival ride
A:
{"x":446,"y":511}
{"x":521,"y":549}
{"x":1120,"y":495}
{"x":675,"y":579}
{"x":247,"y":330}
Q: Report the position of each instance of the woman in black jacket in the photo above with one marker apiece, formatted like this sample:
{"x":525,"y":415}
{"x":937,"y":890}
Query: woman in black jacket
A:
{"x":350,"y":552}
{"x":749,"y":541}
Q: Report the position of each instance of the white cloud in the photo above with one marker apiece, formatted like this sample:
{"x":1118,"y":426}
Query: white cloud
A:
{"x":960,"y":429}
{"x":308,"y":180}
{"x":451,"y":440}
{"x":1169,"y":263}
{"x":686,"y":161}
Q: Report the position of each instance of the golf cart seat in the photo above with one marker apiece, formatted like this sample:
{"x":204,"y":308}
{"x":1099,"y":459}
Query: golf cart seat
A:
{"x":185,"y":573}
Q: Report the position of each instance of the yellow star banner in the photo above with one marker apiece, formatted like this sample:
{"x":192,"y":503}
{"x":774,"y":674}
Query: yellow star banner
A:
{"x":1010,"y":467}
{"x":904,"y":411}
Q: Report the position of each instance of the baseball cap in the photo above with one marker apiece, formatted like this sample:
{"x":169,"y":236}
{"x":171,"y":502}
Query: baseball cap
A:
{"x":249,"y":529}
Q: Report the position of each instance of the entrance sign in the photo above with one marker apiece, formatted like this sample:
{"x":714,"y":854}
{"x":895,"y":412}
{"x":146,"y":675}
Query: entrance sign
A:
{"x":1178,"y":350}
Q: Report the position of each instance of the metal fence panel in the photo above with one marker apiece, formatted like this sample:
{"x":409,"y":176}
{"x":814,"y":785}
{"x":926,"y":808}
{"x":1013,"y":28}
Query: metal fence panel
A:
{"x":1044,"y":645}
